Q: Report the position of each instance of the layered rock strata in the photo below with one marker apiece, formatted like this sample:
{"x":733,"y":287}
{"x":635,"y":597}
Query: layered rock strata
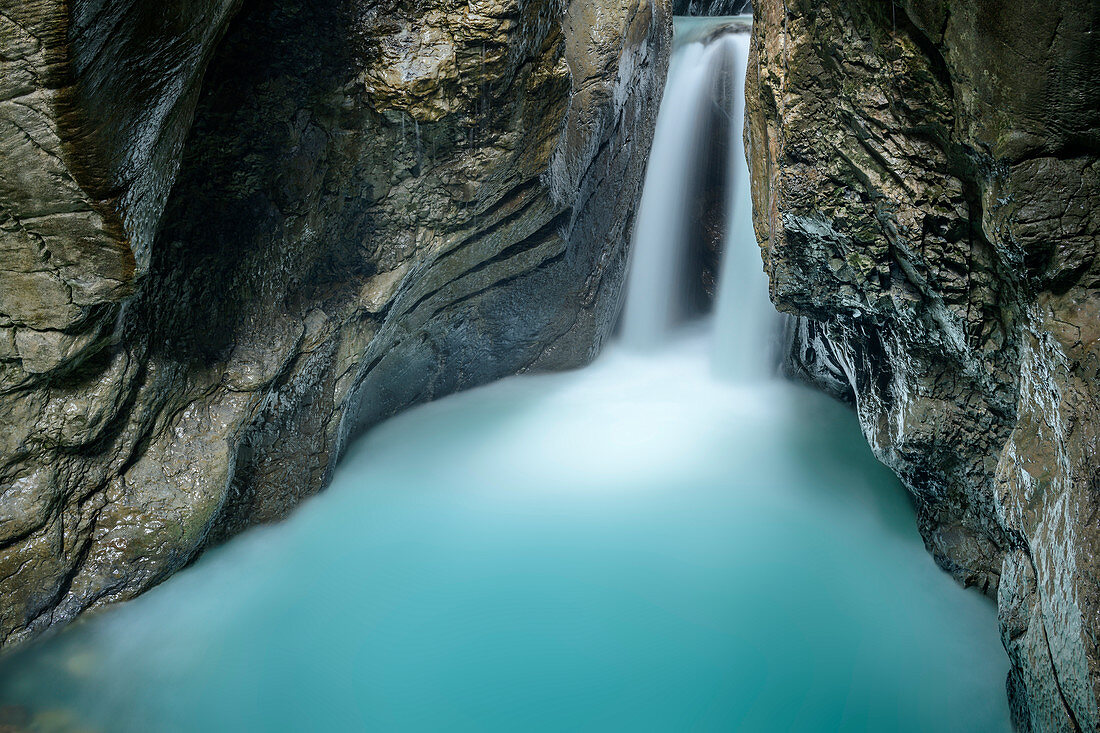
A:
{"x":927,"y":197}
{"x":230,"y":237}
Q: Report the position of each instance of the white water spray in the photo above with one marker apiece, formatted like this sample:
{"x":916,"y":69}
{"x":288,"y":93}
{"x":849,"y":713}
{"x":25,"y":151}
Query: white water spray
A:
{"x":655,"y":284}
{"x":745,"y":321}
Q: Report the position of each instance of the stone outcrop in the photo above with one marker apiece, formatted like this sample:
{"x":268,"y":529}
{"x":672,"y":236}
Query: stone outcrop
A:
{"x":234,"y":233}
{"x":927,"y":197}
{"x":711,"y":7}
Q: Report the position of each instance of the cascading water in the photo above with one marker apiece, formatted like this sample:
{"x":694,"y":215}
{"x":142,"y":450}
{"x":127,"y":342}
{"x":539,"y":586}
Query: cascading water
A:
{"x":746,"y":324}
{"x":636,"y":546}
{"x":705,"y":77}
{"x":655,"y":298}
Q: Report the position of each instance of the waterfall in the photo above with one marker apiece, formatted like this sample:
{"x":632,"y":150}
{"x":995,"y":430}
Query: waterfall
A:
{"x":706,"y":75}
{"x":659,"y":541}
{"x":745,"y":319}
{"x":655,"y":285}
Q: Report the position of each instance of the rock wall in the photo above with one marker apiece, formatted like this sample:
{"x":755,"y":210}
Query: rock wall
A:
{"x":234,"y":233}
{"x":927,"y":198}
{"x":711,"y":7}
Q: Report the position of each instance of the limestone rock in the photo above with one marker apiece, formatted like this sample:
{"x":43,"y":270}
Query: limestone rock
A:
{"x":231,"y":237}
{"x":927,"y":198}
{"x":711,"y":7}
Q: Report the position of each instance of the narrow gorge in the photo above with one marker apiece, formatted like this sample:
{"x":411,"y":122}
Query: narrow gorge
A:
{"x":371,"y":206}
{"x":240,"y":239}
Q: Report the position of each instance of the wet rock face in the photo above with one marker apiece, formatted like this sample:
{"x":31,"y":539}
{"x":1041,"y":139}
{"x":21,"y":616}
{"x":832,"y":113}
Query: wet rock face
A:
{"x":94,"y":103}
{"x":928,"y":204}
{"x":208,"y":282}
{"x":711,"y":7}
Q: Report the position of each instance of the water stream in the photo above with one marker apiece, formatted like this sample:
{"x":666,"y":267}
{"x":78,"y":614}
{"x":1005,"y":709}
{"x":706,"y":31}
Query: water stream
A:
{"x":668,"y":540}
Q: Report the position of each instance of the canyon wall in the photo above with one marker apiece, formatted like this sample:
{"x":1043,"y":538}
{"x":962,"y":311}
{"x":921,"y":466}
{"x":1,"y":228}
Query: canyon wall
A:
{"x":711,"y":7}
{"x":232,"y":234}
{"x":927,"y":198}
